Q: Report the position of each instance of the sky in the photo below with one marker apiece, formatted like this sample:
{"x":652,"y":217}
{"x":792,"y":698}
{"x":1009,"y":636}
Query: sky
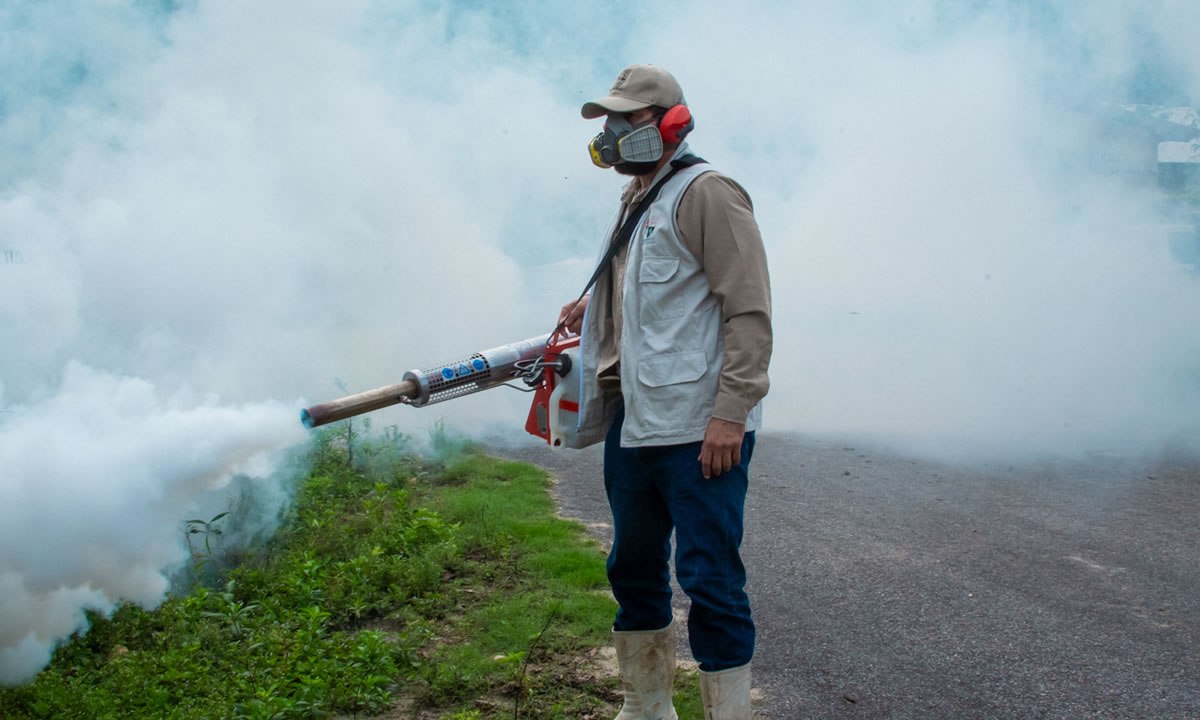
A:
{"x":215,"y":213}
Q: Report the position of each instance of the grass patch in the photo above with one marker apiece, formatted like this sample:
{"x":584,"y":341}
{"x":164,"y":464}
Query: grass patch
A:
{"x":399,"y":586}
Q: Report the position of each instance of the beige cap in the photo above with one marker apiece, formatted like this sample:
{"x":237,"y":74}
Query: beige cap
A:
{"x":637,"y":87}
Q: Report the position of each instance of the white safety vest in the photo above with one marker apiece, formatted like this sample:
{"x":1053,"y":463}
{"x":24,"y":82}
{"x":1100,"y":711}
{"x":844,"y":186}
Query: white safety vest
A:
{"x":672,"y":344}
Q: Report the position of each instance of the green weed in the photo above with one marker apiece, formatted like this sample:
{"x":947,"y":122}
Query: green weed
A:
{"x":446,"y":584}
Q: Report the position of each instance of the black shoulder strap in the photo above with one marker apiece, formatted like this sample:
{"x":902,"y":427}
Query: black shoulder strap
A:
{"x":623,"y":236}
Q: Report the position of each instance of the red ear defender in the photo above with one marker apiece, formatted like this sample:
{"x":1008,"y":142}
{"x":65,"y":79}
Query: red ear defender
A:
{"x":676,"y":124}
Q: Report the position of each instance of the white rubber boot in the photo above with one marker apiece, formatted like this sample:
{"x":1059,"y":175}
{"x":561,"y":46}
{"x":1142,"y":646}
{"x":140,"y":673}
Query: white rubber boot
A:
{"x":726,"y":693}
{"x":647,"y":661}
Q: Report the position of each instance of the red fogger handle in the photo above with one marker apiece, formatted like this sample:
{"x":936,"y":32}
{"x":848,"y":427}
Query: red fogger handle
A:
{"x":542,"y":410}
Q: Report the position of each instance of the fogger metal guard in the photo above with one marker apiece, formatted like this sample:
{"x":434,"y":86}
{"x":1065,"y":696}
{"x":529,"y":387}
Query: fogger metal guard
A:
{"x":546,"y":365}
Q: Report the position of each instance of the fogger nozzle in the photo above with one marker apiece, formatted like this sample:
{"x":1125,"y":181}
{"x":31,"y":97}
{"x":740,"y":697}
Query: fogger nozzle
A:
{"x":476,"y":372}
{"x":352,"y":405}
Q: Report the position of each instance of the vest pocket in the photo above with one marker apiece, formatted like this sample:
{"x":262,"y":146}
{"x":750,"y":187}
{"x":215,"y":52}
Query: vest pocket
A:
{"x":672,"y":368}
{"x":658,"y":269}
{"x":659,"y":298}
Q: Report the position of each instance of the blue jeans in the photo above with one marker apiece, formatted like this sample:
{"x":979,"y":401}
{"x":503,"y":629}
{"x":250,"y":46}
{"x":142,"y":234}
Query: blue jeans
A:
{"x":653,"y":490}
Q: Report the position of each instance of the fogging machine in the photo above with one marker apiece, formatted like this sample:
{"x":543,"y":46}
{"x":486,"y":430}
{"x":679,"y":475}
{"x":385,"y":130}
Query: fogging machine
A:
{"x":545,"y":365}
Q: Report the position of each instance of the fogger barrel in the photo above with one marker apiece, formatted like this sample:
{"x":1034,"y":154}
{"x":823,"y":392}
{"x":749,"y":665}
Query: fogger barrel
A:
{"x":474,"y":373}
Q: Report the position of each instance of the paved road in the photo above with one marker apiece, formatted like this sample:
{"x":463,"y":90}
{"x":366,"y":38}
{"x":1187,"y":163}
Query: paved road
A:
{"x":890,"y":587}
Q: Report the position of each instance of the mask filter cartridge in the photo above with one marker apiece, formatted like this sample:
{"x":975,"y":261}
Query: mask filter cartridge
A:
{"x":641,"y":145}
{"x":621,"y":142}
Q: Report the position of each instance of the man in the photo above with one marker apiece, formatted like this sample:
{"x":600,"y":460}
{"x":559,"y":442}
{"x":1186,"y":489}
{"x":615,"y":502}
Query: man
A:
{"x":676,"y":339}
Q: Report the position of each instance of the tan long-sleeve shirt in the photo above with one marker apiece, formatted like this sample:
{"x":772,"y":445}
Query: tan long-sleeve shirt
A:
{"x":715,"y":220}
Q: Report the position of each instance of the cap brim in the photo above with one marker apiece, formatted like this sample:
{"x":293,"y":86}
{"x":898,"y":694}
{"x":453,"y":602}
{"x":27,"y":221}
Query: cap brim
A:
{"x":610,"y":104}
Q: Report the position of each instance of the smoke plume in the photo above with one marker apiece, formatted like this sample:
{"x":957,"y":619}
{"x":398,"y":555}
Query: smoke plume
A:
{"x":210,"y":210}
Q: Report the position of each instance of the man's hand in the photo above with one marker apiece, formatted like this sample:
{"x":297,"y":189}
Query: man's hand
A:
{"x":571,"y":315}
{"x":722,"y":447}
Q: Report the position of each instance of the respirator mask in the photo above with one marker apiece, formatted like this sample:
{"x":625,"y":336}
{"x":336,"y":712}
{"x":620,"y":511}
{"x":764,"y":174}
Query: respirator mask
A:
{"x":621,"y":142}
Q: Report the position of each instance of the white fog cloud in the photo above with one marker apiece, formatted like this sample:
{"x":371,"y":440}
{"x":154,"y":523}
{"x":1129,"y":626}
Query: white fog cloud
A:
{"x":222,"y":209}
